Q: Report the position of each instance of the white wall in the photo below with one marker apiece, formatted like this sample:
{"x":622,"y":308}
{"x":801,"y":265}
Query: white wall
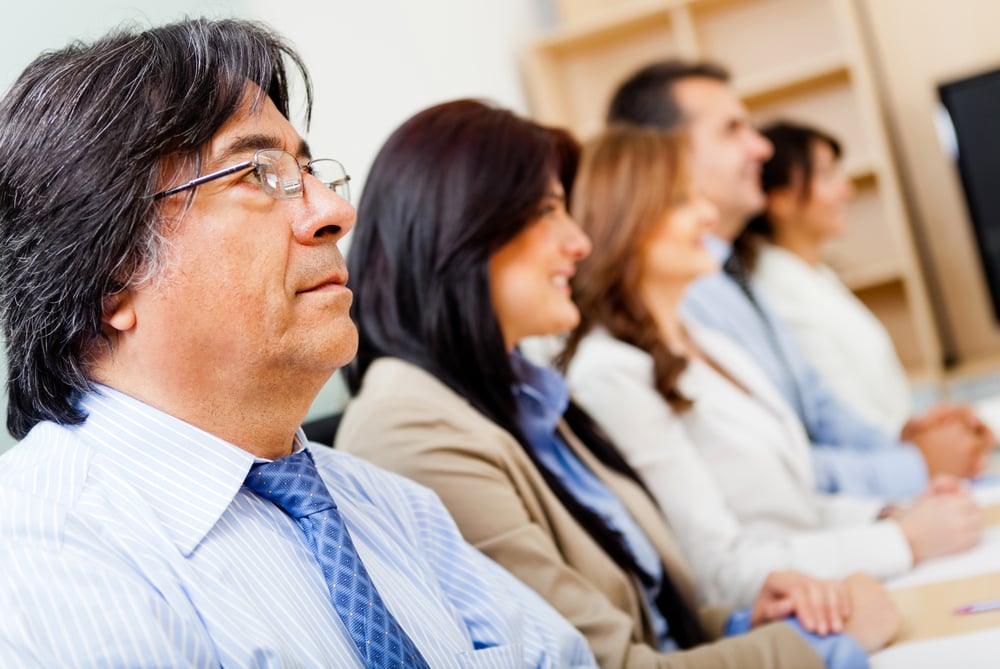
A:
{"x":374,"y":63}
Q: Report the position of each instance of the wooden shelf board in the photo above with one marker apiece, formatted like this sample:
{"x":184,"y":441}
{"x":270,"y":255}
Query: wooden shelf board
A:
{"x":607,"y":25}
{"x":971,"y":368}
{"x":861,"y":171}
{"x":707,"y":5}
{"x":875,"y":276}
{"x":924,"y":375}
{"x":780,"y":81}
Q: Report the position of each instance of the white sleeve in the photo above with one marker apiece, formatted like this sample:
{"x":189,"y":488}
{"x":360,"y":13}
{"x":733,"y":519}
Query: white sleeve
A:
{"x":730,"y":565}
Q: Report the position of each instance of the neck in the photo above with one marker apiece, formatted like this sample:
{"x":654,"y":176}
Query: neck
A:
{"x":729,"y":227}
{"x":260,"y":418}
{"x":663,"y":301}
{"x":804,"y":246}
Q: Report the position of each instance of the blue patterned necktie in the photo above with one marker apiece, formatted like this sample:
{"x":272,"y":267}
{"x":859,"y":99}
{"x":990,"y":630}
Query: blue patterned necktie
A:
{"x":294,"y":484}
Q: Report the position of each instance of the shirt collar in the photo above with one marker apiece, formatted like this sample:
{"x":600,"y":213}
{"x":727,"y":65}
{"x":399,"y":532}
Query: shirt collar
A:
{"x":189,"y":476}
{"x":718,"y":247}
{"x":542,"y":398}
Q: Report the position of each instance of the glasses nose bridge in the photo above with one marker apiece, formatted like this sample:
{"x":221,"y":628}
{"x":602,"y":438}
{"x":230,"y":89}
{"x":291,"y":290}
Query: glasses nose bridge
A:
{"x":331,"y":174}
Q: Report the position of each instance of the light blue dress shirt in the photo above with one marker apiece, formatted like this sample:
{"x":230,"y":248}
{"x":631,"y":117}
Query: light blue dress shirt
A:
{"x":129,"y":541}
{"x":851,"y":455}
{"x":542,"y":398}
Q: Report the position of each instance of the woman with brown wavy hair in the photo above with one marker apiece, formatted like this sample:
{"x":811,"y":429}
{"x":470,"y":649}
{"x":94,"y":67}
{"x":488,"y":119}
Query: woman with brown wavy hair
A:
{"x":725,"y":458}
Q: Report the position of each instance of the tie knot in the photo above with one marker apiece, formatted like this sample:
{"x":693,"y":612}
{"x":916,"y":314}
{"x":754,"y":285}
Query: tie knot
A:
{"x":293,"y":483}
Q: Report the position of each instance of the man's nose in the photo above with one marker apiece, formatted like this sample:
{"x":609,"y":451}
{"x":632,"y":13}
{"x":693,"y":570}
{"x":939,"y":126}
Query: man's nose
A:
{"x":325,"y":216}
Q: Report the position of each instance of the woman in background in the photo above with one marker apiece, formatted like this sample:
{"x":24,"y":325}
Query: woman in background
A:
{"x":727,"y":460}
{"x":463,"y":247}
{"x":807,"y":206}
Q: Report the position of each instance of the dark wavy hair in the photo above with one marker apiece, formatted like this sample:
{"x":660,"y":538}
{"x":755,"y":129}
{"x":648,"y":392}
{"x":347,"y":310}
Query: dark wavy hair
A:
{"x":85,"y":134}
{"x":450,"y":187}
{"x":629,"y":179}
{"x":790,"y":165}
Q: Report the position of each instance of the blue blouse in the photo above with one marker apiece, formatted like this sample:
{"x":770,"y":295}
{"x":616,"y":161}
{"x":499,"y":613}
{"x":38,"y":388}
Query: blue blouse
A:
{"x":542,"y":398}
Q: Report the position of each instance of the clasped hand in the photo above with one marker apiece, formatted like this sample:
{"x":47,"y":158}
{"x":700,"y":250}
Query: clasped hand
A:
{"x":857,"y":605}
{"x":952,"y":439}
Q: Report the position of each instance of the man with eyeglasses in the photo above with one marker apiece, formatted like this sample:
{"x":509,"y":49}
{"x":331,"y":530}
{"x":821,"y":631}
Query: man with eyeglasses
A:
{"x":172,"y":298}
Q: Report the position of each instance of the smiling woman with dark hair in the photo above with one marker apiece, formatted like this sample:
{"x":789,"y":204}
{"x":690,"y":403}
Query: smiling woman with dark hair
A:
{"x":463,"y":248}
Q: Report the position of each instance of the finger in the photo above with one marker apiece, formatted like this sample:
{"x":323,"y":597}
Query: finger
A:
{"x":814,"y":598}
{"x":818,"y":594}
{"x":945,"y":483}
{"x":981,"y":462}
{"x":803,"y":610}
{"x":844,"y":598}
{"x":776,"y":609}
{"x":835,"y":602}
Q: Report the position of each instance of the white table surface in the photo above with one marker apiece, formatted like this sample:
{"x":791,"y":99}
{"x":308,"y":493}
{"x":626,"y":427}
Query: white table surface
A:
{"x":977,"y":650}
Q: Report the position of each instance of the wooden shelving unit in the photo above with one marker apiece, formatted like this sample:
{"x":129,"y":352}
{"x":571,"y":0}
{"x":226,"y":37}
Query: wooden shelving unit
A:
{"x":791,"y":59}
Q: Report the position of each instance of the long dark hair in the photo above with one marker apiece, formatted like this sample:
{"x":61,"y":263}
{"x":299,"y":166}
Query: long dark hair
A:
{"x":790,"y":165}
{"x":85,"y":134}
{"x":450,"y":187}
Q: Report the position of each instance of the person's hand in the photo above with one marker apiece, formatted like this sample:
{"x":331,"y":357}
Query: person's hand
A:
{"x":933,"y":416}
{"x":945,"y":412}
{"x":874,"y":620}
{"x":821,"y":606}
{"x":944,"y":519}
{"x":952,"y":440}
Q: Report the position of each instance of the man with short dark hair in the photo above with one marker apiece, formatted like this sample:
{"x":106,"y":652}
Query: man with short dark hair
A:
{"x":173,"y":299}
{"x":851,"y":454}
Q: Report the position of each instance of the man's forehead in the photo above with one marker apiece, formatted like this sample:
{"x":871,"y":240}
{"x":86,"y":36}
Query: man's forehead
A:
{"x":705,"y":99}
{"x":257,"y":125}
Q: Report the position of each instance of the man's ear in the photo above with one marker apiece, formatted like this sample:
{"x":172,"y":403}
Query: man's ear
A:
{"x":119,"y":312}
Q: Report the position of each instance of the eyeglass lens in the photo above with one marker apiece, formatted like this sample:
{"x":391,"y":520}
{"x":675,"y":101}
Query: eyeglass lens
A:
{"x":281,"y":174}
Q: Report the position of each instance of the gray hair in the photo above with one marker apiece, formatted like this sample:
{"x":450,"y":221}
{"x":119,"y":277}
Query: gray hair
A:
{"x":85,"y":134}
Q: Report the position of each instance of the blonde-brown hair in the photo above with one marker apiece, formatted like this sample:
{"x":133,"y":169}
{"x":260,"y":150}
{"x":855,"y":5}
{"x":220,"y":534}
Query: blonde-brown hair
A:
{"x":629,"y":180}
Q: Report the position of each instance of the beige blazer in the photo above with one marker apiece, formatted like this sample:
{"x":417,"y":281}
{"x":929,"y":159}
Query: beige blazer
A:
{"x":407,"y":421}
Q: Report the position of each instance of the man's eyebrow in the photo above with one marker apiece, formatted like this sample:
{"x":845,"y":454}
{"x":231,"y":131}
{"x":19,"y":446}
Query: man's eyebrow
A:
{"x":250,"y":143}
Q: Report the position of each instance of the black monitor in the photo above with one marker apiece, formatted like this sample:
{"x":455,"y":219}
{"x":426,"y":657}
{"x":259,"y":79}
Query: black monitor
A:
{"x":973,"y":105}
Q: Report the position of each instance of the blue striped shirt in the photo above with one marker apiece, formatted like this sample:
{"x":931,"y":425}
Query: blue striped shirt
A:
{"x":129,"y":541}
{"x":850,"y":454}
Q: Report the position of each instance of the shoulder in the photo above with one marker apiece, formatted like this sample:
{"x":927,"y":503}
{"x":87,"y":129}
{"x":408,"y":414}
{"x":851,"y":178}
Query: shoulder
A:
{"x":714,"y":342}
{"x":361,"y":484}
{"x":784,"y":277}
{"x":713,"y":297}
{"x":41,"y":481}
{"x":600,"y":354}
{"x":403,"y":416}
{"x":392,"y":385}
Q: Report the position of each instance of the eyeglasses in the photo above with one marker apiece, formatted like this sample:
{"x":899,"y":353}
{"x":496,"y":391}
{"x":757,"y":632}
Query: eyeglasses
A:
{"x":279,"y":174}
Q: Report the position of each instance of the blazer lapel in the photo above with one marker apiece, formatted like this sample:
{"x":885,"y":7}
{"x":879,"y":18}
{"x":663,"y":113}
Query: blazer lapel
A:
{"x":794,"y":450}
{"x":645,"y":513}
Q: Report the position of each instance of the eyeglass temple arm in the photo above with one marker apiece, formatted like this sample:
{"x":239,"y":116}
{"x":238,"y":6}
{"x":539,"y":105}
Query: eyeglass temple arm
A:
{"x":204,"y":179}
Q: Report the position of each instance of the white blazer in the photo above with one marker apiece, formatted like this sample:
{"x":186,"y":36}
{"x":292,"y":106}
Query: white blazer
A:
{"x":733,"y":473}
{"x":838,"y":335}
